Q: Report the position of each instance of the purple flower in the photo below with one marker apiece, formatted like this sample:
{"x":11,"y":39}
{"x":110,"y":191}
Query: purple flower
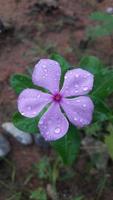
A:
{"x":78,"y":109}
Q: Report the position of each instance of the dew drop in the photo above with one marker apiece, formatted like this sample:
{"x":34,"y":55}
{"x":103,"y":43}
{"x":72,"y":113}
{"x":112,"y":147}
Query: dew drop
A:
{"x":38,"y":96}
{"x":65,"y":77}
{"x":81,"y":120}
{"x":76,"y":75}
{"x":76,"y":91}
{"x":75,"y":118}
{"x":45,"y":70}
{"x":88,"y":74}
{"x":34,"y":112}
{"x":78,"y":101}
{"x":40,"y":122}
{"x":85,"y":88}
{"x":84,"y":105}
{"x":57,"y":130}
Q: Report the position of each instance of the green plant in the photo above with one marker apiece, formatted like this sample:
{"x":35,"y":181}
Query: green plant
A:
{"x":105,"y":25}
{"x":78,"y":198}
{"x":68,"y":147}
{"x":48,"y":170}
{"x":38,"y":194}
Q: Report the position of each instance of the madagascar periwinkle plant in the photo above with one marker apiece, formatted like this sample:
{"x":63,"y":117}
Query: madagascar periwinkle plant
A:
{"x":60,"y":100}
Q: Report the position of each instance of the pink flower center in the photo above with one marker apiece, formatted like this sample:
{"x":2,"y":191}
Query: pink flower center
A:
{"x":57,"y":97}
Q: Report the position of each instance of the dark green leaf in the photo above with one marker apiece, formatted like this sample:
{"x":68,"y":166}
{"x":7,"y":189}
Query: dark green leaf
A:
{"x":101,"y":111}
{"x":99,"y":30}
{"x":103,"y":29}
{"x":101,"y":16}
{"x":68,"y":147}
{"x":109,"y":140}
{"x":63,"y":63}
{"x":91,"y":64}
{"x":29,"y":125}
{"x":20,"y":82}
{"x":103,"y":85}
{"x":38,"y":194}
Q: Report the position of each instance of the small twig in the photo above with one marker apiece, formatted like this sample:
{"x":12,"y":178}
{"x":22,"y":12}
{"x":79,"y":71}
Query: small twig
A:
{"x":52,"y":192}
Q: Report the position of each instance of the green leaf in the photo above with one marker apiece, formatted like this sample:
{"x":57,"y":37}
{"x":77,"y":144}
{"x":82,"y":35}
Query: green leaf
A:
{"x":99,"y":30}
{"x":109,"y":141}
{"x":29,"y":125}
{"x":91,"y":64}
{"x":101,"y":16}
{"x":79,"y":198}
{"x":38,"y":194}
{"x":20,"y":82}
{"x":63,"y":63}
{"x":68,"y":147}
{"x":103,"y":29}
{"x":103,"y":85}
{"x":101,"y":110}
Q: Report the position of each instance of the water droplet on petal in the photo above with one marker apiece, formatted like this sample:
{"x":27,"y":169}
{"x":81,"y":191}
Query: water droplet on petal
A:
{"x":41,"y":122}
{"x":45,"y":70}
{"x":85,"y":88}
{"x":75,"y":118}
{"x":22,"y":113}
{"x":57,"y":130}
{"x":81,"y":120}
{"x":65,"y":77}
{"x":84,"y":105}
{"x":76,"y":91}
{"x":34,"y":112}
{"x":78,"y":101}
{"x":88,"y":74}
{"x":76,"y":75}
{"x":38,"y":95}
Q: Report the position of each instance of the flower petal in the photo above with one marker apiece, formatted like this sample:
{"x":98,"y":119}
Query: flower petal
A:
{"x":32,"y":101}
{"x":47,"y":74}
{"x":77,"y":82}
{"x":79,"y":110}
{"x":53,"y":124}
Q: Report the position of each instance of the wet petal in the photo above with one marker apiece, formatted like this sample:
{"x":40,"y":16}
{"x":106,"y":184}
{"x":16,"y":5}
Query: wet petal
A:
{"x":53,"y":124}
{"x":77,"y":82}
{"x":32,"y":101}
{"x":47,"y":74}
{"x":79,"y":110}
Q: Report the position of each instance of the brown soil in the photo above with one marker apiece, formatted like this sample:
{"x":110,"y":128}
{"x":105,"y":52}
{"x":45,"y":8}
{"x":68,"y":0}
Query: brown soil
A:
{"x":34,"y":32}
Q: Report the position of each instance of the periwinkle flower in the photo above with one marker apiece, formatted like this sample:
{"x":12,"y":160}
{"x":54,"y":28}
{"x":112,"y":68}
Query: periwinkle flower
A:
{"x":78,"y":109}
